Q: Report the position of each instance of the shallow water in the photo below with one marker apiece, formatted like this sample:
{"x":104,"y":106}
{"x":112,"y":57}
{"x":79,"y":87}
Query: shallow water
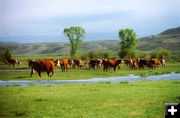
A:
{"x":130,"y":78}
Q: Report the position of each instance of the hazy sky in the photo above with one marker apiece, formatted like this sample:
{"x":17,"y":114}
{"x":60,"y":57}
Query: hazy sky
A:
{"x":50,"y":17}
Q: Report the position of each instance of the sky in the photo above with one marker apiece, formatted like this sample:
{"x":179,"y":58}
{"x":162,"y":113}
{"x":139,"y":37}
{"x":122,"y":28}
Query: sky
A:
{"x":44,"y":20}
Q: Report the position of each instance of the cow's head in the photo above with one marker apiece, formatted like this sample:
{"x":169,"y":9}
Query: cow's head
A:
{"x":138,"y":59}
{"x":122,"y":60}
{"x":131,"y":62}
{"x":58,"y":63}
{"x":30,"y":63}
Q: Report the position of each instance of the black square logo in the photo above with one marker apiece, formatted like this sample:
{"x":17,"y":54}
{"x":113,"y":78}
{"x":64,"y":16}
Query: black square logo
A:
{"x":172,"y":110}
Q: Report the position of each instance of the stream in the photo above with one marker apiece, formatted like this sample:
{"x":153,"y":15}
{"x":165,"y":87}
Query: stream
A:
{"x":129,"y":78}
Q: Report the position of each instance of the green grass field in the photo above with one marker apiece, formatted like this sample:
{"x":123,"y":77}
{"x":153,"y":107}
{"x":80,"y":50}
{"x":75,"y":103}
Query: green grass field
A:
{"x":99,"y":100}
{"x":87,"y":73}
{"x":144,"y":99}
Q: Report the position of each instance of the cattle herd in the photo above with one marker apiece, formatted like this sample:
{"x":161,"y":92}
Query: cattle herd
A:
{"x":48,"y":65}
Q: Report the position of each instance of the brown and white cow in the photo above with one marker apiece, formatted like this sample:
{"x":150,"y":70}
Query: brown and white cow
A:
{"x":12,"y":62}
{"x":127,"y":63}
{"x":154,"y":63}
{"x":77,"y":63}
{"x":95,"y":63}
{"x":163,"y":62}
{"x":92,"y":63}
{"x":143,"y":63}
{"x":98,"y":63}
{"x":70,"y":62}
{"x":133,"y":63}
{"x":64,"y":64}
{"x":43,"y":65}
{"x":108,"y":63}
{"x":105,"y":63}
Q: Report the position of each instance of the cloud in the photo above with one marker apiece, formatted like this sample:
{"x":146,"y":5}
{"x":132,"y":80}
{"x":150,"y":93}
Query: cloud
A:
{"x":43,"y":17}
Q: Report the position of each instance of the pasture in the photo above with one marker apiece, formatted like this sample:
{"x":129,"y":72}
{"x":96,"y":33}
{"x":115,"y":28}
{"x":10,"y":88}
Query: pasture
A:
{"x":98,"y":100}
{"x":86,"y":73}
{"x":144,"y":99}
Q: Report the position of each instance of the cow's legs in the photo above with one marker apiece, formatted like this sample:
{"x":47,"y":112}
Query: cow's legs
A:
{"x":31,"y":73}
{"x":114,"y":68}
{"x":52,"y":73}
{"x":48,"y":73}
{"x":66,"y":68}
{"x":39,"y":73}
{"x":63,"y":68}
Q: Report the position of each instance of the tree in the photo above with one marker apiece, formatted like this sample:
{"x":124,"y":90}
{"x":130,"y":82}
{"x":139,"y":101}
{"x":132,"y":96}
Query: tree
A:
{"x":8,"y":54}
{"x":128,"y":43}
{"x":75,"y":35}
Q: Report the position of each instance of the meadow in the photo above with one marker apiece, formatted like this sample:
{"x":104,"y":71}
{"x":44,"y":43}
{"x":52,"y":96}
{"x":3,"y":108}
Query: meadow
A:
{"x":86,"y":73}
{"x":97,"y":100}
{"x":145,"y":99}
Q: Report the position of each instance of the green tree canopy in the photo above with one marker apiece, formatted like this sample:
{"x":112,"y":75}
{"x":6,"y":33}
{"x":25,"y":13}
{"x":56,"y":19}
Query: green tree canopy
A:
{"x":8,"y":54}
{"x":128,"y":43}
{"x":75,"y":35}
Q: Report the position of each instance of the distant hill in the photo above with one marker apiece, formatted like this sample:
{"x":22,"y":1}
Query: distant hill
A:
{"x":173,"y":31}
{"x":169,"y":39}
{"x":59,"y":47}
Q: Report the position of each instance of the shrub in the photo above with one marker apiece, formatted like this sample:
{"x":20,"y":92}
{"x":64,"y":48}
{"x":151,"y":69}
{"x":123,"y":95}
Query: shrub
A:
{"x":99,"y":54}
{"x":154,"y":54}
{"x":84,"y":56}
{"x":143,"y":54}
{"x":164,"y":54}
{"x":106,"y":55}
{"x":92,"y":54}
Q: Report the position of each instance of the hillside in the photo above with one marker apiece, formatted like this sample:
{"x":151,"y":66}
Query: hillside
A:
{"x":169,"y":39}
{"x":59,"y":47}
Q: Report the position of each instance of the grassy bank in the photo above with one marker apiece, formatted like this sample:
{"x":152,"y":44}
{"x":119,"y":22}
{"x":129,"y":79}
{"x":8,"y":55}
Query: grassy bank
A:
{"x":102,"y":100}
{"x":87,"y":73}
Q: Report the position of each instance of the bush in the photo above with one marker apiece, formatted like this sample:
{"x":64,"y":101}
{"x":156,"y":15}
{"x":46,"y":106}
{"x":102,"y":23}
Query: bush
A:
{"x":106,"y":55}
{"x":154,"y":54}
{"x":164,"y":54}
{"x":84,"y":56}
{"x":92,"y":54}
{"x":142,"y":55}
{"x":99,"y":54}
